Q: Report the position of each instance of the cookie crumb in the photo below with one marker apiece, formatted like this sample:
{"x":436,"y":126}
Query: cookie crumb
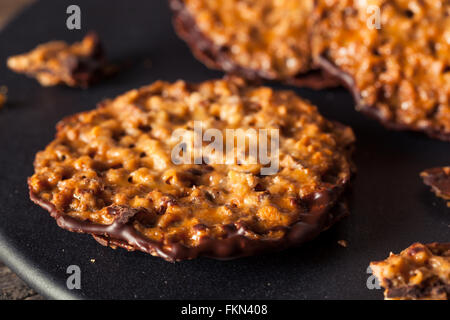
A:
{"x":343,"y":243}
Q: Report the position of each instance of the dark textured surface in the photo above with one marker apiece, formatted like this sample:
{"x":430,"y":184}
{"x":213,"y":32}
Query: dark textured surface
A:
{"x":11,"y":287}
{"x":390,"y":207}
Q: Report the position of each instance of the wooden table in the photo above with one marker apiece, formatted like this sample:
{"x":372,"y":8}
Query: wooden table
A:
{"x":11,"y":287}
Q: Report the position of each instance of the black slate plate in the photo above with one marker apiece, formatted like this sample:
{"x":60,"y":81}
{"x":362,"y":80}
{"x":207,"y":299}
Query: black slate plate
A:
{"x":390,"y":207}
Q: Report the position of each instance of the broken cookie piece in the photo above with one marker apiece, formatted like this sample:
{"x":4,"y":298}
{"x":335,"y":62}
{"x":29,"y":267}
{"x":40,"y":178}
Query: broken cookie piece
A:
{"x":78,"y":65}
{"x":439,"y":180}
{"x":420,"y":272}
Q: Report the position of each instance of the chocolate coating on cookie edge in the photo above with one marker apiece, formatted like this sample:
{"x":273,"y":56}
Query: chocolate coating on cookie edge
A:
{"x":234,"y":245}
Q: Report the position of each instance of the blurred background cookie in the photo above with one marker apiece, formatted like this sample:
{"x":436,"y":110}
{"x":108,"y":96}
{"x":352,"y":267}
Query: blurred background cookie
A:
{"x":267,"y":39}
{"x":398,"y":68}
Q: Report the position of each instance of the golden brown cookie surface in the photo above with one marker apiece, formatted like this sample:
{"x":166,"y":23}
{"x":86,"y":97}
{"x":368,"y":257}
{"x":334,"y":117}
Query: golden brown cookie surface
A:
{"x":56,"y":62}
{"x":113,"y":167}
{"x":420,"y":272}
{"x":399,"y":73}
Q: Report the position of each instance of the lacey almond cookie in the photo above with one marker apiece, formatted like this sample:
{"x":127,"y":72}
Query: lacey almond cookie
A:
{"x":111,"y":172}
